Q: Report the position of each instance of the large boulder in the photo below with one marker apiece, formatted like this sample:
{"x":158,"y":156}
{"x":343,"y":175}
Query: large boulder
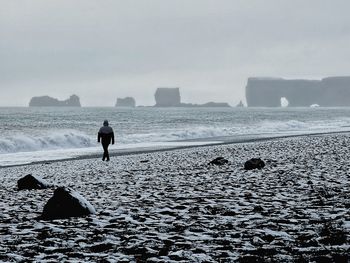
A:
{"x":30,"y":182}
{"x":218,"y":161}
{"x":254,"y":163}
{"x":66,"y":203}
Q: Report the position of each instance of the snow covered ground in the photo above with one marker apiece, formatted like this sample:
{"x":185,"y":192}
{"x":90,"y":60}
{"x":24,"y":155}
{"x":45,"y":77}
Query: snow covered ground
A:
{"x":171,"y":206}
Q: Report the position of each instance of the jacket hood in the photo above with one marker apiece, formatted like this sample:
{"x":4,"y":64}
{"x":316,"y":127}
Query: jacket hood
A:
{"x":105,"y":123}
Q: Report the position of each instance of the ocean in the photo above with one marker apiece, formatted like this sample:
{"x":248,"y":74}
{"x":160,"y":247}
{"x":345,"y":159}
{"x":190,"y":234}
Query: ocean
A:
{"x":43,"y":134}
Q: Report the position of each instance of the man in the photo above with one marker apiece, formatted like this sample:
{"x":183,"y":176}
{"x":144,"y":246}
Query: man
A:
{"x":107,"y":135}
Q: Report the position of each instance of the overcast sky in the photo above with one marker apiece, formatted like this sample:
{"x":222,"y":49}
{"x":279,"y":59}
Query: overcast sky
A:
{"x":101,"y":49}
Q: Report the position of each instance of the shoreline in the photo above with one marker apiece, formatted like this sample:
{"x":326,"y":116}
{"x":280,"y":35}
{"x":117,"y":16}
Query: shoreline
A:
{"x":215,"y":141}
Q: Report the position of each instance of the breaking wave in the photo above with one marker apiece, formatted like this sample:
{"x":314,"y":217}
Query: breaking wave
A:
{"x":177,"y":135}
{"x":272,"y":128}
{"x":53,"y":141}
{"x":73,"y":139}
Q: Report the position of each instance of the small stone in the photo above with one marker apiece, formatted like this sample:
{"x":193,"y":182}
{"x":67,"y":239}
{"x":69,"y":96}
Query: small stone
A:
{"x":258,"y":208}
{"x":322,"y":259}
{"x":258,"y":241}
{"x":218,"y":161}
{"x":101,"y":247}
{"x":254,"y":163}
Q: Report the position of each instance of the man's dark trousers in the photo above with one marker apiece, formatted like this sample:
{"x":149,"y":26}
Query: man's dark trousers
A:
{"x":105,"y":151}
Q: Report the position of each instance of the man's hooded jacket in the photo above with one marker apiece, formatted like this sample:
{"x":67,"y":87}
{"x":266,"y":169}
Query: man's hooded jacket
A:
{"x":106,"y":134}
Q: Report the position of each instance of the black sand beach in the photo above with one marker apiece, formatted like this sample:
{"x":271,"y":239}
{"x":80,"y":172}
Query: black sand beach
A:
{"x":171,"y":206}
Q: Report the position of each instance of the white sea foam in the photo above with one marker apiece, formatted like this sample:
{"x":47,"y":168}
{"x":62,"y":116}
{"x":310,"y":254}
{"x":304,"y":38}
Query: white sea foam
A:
{"x":50,"y":141}
{"x":261,"y":128}
{"x":9,"y":159}
{"x":75,"y":139}
{"x":177,"y":135}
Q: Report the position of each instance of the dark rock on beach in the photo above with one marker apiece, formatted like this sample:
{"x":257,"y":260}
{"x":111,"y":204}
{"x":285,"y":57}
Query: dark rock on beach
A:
{"x":66,"y":203}
{"x":30,"y":182}
{"x":219,"y":161}
{"x":254,"y":163}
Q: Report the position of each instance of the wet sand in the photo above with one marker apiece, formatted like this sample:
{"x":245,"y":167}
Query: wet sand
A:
{"x":171,"y":206}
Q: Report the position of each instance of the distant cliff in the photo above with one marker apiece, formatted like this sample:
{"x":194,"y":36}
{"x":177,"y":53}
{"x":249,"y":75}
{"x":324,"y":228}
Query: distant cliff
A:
{"x":46,"y":101}
{"x":126,"y":102}
{"x":328,"y":92}
{"x":170,"y":97}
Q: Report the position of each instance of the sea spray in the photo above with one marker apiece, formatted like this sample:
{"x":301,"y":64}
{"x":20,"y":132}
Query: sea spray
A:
{"x":48,"y":141}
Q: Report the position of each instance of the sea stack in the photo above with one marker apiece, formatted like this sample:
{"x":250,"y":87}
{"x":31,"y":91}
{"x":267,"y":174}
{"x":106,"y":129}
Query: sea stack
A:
{"x":46,"y":101}
{"x":170,"y":97}
{"x":328,"y":92}
{"x":167,"y":97}
{"x":240,"y":104}
{"x":126,"y":102}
